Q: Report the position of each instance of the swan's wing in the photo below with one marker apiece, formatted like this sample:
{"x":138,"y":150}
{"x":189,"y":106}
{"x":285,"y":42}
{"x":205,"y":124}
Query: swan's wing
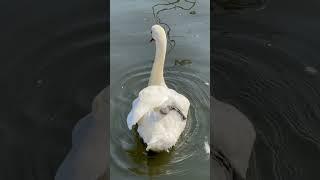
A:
{"x":180,"y":101}
{"x":149,"y":98}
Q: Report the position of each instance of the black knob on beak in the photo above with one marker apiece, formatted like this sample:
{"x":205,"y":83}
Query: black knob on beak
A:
{"x":151,"y":40}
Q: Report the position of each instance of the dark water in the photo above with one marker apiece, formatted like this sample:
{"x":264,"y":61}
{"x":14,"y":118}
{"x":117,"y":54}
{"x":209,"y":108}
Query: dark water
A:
{"x":53,"y":63}
{"x":266,"y":64}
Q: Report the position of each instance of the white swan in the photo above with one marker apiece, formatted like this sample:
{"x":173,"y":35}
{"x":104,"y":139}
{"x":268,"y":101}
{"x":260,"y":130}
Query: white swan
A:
{"x":160,"y":112}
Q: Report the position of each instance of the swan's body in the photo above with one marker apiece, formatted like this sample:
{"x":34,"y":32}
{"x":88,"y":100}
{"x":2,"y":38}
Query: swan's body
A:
{"x":160,"y":112}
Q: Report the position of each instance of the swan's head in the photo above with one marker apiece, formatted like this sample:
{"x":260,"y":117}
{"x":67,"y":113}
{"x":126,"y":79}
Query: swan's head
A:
{"x":157,"y":33}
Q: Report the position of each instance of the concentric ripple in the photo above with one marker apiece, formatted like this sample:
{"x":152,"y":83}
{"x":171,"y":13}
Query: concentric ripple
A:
{"x":127,"y":149}
{"x":277,"y":87}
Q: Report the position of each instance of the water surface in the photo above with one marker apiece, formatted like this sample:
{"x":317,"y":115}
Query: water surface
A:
{"x":266,"y":64}
{"x":53,"y":63}
{"x":186,"y":71}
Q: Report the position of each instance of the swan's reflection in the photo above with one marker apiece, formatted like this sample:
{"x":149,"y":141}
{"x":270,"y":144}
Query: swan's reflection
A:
{"x":232,"y":141}
{"x":88,"y":157}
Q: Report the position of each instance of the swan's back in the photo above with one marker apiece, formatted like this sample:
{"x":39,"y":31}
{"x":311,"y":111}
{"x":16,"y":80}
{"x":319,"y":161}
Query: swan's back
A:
{"x":153,"y":97}
{"x":160,"y":113}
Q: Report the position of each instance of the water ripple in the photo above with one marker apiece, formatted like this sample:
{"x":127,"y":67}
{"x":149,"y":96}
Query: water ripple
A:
{"x":272,"y":87}
{"x":126,"y":148}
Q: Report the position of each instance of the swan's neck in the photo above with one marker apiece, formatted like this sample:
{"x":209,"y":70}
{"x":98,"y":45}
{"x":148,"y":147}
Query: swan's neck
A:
{"x":156,"y":77}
